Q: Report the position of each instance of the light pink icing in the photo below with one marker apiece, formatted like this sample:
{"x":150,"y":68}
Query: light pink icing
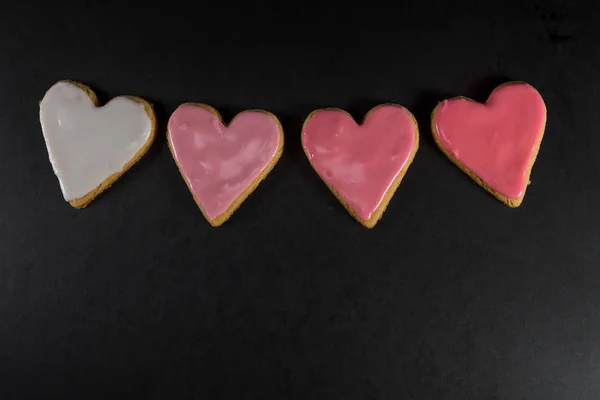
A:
{"x":495,"y":140}
{"x":219,"y":162}
{"x":360,"y":161}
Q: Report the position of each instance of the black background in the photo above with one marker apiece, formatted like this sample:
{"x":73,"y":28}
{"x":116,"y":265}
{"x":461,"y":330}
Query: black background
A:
{"x":451,"y":296}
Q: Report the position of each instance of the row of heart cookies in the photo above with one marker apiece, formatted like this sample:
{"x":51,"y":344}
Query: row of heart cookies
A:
{"x":90,"y":146}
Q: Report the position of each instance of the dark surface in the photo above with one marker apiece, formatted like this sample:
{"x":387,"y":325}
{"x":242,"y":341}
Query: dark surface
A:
{"x":452,"y":296}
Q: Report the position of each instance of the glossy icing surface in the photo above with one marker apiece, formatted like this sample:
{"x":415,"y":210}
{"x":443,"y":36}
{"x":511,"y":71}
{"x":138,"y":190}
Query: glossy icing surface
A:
{"x":220,"y":162}
{"x":495,"y":140}
{"x":86,"y":144}
{"x":360,"y":161}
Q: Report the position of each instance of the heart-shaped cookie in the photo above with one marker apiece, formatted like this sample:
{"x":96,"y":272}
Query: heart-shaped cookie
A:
{"x":223,"y":164}
{"x":495,"y":143}
{"x":90,"y":146}
{"x":362,"y":164}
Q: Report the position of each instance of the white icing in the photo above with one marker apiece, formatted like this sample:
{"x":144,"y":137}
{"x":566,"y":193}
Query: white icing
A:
{"x":86,"y":144}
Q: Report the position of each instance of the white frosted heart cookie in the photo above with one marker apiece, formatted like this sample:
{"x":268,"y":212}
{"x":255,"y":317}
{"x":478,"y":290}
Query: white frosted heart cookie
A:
{"x":91,"y":146}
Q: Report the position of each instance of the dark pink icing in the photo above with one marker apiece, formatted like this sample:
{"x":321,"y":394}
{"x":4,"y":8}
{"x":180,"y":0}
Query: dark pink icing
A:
{"x":496,"y":140}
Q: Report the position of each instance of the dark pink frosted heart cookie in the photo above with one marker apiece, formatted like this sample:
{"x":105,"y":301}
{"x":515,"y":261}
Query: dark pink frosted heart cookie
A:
{"x":495,"y":143}
{"x":362,"y":164}
{"x":223,"y":164}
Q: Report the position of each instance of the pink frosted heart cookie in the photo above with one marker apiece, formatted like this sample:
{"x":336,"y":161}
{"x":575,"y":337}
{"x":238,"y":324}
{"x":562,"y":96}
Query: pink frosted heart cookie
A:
{"x":495,"y":143}
{"x":362,"y":164}
{"x":223,"y":164}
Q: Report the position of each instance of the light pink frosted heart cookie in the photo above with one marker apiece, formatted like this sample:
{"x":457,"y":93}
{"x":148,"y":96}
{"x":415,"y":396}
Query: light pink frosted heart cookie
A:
{"x":495,"y":143}
{"x":223,"y":164}
{"x":362,"y":164}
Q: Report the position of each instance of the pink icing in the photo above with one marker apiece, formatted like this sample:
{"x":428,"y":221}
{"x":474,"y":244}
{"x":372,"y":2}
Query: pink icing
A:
{"x":496,"y":140}
{"x":219,"y":162}
{"x":360,"y":161}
